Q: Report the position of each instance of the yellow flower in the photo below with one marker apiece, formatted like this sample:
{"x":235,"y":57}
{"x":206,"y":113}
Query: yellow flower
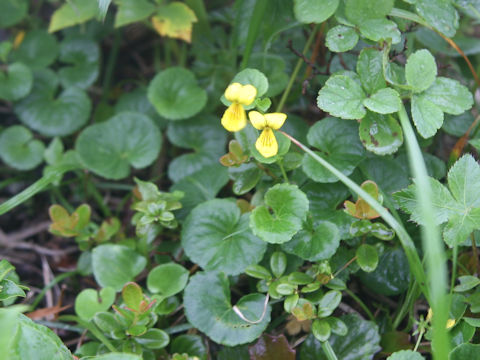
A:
{"x":267,"y":143}
{"x":234,"y":118}
{"x":450,"y":322}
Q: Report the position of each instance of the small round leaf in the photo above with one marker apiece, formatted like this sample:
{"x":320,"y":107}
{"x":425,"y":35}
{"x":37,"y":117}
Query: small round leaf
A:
{"x":19,"y":150}
{"x":341,"y":38}
{"x":16,"y":83}
{"x":167,"y":279}
{"x":88,"y":302}
{"x":380,"y":134}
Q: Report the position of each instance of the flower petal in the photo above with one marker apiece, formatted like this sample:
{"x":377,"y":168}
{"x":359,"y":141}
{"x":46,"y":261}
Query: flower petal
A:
{"x":258,"y":120}
{"x":247,"y":94}
{"x":233,"y":91}
{"x":234,"y":118}
{"x":267,"y":143}
{"x":275,"y":120}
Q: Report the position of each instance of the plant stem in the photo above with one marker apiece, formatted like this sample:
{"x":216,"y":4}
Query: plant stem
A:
{"x":327,"y":349}
{"x":282,"y":169}
{"x":92,"y":328}
{"x":296,"y":70}
{"x":112,"y":59}
{"x":254,"y":27}
{"x":51,"y":284}
{"x":361,"y":304}
{"x":420,"y":336}
{"x":412,"y":294}
{"x":431,"y":240}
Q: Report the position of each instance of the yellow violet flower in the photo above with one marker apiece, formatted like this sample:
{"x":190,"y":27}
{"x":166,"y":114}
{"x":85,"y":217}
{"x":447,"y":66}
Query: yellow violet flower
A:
{"x":266,"y":143}
{"x":450,"y":322}
{"x":235,"y":118}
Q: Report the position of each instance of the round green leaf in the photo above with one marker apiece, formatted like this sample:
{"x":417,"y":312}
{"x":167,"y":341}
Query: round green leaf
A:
{"x":55,"y":116}
{"x":189,"y":344}
{"x":82,"y":54}
{"x":338,"y":143}
{"x":153,"y":339}
{"x":341,"y":38}
{"x":38,"y":49}
{"x":321,"y":329}
{"x":384,"y":101}
{"x":313,"y":11}
{"x":115,"y":265}
{"x":88,"y":302}
{"x":19,"y":149}
{"x":342,"y":96}
{"x":245,"y":177}
{"x":316,"y":245}
{"x":392,"y":275}
{"x":420,"y":70}
{"x":407,"y":355}
{"x":253,"y":77}
{"x":189,"y":164}
{"x":175,"y":94}
{"x":35,"y":341}
{"x":367,"y":257}
{"x":450,"y":96}
{"x":109,"y":148}
{"x":12,"y":11}
{"x":208,"y":308}
{"x":216,"y":236}
{"x":360,"y":343}
{"x":167,"y":279}
{"x":289,"y":207}
{"x":465,"y":351}
{"x":16,"y":82}
{"x":380,"y":134}
{"x":278,"y":263}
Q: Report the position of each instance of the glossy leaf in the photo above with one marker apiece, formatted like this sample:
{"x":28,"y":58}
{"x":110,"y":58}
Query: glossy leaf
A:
{"x":380,"y":30}
{"x":38,"y":49}
{"x":341,"y":38}
{"x":359,"y":11}
{"x":167,"y":279}
{"x":440,"y":14}
{"x":311,"y":11}
{"x":380,"y":134}
{"x":367,"y":257}
{"x":369,"y":68}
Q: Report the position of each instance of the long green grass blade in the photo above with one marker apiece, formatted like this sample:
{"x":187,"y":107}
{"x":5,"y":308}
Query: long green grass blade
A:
{"x":253,"y":30}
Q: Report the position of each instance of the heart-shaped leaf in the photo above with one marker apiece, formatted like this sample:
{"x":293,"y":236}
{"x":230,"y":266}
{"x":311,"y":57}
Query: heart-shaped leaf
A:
{"x":88,"y":302}
{"x":115,"y":265}
{"x":109,"y":148}
{"x":19,"y":149}
{"x":175,"y":94}
{"x":38,"y":49}
{"x":16,"y":82}
{"x":289,"y":206}
{"x":208,"y":308}
{"x":167,"y":279}
{"x":216,"y":236}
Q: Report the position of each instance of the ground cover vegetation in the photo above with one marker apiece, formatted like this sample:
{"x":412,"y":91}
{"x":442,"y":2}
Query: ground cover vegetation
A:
{"x":275,"y":179}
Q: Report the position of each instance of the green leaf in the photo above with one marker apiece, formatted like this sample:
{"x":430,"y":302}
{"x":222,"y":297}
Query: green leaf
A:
{"x":82,"y":54}
{"x":175,"y":94}
{"x":130,"y":11}
{"x":88,"y":302}
{"x":253,"y":77}
{"x":369,"y":68}
{"x":338,"y":143}
{"x":38,"y":49}
{"x":319,"y":244}
{"x":9,"y":290}
{"x":359,"y":11}
{"x":34,"y":341}
{"x":278,"y":263}
{"x":329,"y":302}
{"x":216,"y":236}
{"x":208,"y":308}
{"x":289,"y":207}
{"x":19,"y":149}
{"x":189,"y":164}
{"x":321,"y":329}
{"x":109,"y":148}
{"x":72,"y":13}
{"x":458,"y":125}
{"x":427,"y":116}
{"x":338,"y":326}
{"x":16,"y":82}
{"x":153,"y":339}
{"x":465,"y":351}
{"x":273,"y":66}
{"x":167,"y":279}
{"x":380,"y":30}
{"x":384,"y":101}
{"x":380,"y":134}
{"x":52,"y":116}
{"x":341,"y":96}
{"x":420,"y":70}
{"x":312,"y":11}
{"x":12,"y":12}
{"x":132,"y":295}
{"x":440,"y":14}
{"x":245,"y":177}
{"x":467,"y":282}
{"x":360,"y":343}
{"x":175,"y":20}
{"x":341,"y":38}
{"x":367,"y":257}
{"x":450,"y":96}
{"x":189,"y":344}
{"x":103,"y":6}
{"x":406,"y":355}
{"x":258,"y":272}
{"x":114,"y":356}
{"x":115,"y":265}
{"x":392,"y":275}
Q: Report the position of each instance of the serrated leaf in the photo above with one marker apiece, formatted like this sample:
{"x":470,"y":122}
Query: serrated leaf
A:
{"x":72,"y":13}
{"x":175,"y":20}
{"x":449,"y":95}
{"x":289,"y":206}
{"x":341,"y":96}
{"x":384,"y":101}
{"x":312,"y":11}
{"x":370,"y":70}
{"x":19,"y":149}
{"x":380,"y":134}
{"x":380,"y":30}
{"x":208,"y":308}
{"x":420,"y":70}
{"x":341,"y":38}
{"x":245,"y":177}
{"x":359,"y":11}
{"x":440,"y":14}
{"x":427,"y":116}
{"x":216,"y":236}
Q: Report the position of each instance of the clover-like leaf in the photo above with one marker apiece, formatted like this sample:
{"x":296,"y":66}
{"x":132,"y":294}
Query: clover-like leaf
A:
{"x":289,"y":206}
{"x":369,"y":68}
{"x":337,"y":142}
{"x":19,"y":149}
{"x":175,"y":20}
{"x":343,"y":97}
{"x":109,"y":148}
{"x":208,"y":308}
{"x":341,"y":38}
{"x":175,"y":94}
{"x":16,"y":82}
{"x":380,"y":134}
{"x":88,"y":302}
{"x":216,"y":236}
